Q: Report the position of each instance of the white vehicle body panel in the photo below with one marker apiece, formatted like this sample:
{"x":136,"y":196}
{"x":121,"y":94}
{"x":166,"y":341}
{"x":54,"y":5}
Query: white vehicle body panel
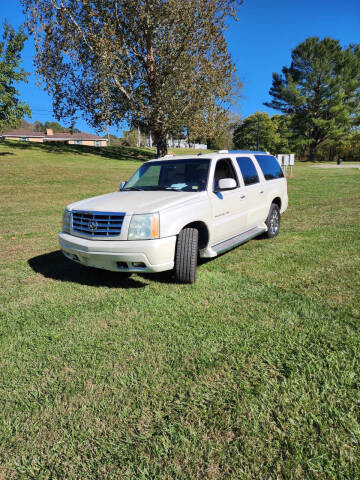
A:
{"x":228,"y":214}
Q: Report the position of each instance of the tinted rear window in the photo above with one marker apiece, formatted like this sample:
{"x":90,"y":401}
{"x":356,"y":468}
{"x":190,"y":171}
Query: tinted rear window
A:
{"x":269,"y":166}
{"x":248,"y":170}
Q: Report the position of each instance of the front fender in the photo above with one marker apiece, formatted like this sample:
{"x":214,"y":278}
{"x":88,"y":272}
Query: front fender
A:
{"x":172,"y":221}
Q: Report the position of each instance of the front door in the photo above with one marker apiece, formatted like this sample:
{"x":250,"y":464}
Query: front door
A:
{"x":228,"y":206}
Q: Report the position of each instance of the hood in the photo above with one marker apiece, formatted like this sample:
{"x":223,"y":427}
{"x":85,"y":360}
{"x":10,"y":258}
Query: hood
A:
{"x":136,"y":202}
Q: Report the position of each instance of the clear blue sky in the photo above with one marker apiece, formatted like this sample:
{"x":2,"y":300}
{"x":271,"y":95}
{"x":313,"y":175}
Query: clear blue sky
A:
{"x":260,"y":43}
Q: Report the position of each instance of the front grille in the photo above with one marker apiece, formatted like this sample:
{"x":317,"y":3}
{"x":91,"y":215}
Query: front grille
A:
{"x":97,"y":224}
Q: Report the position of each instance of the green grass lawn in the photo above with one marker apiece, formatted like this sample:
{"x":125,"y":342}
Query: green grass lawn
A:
{"x":251,"y":373}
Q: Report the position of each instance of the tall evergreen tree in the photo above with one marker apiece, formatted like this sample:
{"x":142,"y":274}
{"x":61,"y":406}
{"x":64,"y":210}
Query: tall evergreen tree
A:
{"x":320,"y":90}
{"x":12,"y":110}
{"x":150,"y":62}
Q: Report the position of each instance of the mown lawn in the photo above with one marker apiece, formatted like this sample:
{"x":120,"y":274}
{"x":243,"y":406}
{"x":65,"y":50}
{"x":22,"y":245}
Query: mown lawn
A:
{"x":251,"y":373}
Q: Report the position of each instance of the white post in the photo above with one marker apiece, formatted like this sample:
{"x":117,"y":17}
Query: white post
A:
{"x":138,"y":143}
{"x":292,"y":163}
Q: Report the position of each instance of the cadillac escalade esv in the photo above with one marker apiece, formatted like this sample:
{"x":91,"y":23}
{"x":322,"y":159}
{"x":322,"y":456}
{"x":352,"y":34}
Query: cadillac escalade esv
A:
{"x":175,"y":209}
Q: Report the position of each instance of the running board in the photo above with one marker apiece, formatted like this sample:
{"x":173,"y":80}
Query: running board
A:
{"x":238,"y":240}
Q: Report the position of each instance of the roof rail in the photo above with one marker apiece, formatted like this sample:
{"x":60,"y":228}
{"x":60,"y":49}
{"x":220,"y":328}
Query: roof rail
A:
{"x":244,"y":151}
{"x":247,"y":151}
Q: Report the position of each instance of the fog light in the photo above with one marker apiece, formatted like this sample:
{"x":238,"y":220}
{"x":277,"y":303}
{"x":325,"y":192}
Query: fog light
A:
{"x":138,"y":264}
{"x":122,"y":265}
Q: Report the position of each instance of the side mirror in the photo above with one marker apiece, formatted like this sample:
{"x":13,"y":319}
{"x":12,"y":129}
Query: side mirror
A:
{"x":226,"y":184}
{"x":122,"y":185}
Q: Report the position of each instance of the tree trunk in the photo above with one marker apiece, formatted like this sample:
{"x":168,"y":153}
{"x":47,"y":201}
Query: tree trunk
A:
{"x":160,"y":133}
{"x":312,"y":156}
{"x":332,"y":154}
{"x":161,"y":142}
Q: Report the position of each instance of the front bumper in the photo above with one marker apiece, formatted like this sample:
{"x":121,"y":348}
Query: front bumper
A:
{"x":120,"y":256}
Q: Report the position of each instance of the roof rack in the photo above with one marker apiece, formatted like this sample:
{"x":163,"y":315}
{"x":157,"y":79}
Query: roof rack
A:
{"x":244,"y":151}
{"x":248,"y":151}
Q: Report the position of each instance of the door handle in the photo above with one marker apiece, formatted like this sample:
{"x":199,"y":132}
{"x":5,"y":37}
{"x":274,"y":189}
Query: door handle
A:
{"x":261,"y":191}
{"x":243,"y":196}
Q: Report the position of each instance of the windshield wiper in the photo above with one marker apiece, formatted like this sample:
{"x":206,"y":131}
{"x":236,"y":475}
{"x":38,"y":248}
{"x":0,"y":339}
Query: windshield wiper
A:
{"x":153,"y":187}
{"x":165,"y":187}
{"x":190,"y":189}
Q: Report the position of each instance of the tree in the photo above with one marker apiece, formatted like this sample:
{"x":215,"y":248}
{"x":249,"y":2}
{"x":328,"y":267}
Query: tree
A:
{"x":57,"y":128}
{"x":348,"y":147}
{"x":257,"y":132}
{"x":320,"y":90}
{"x":151,"y":62}
{"x":12,"y":110}
{"x":285,"y":141}
{"x":38,"y":126}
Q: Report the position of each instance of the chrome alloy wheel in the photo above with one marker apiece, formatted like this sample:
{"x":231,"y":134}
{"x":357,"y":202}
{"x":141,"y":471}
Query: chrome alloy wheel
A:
{"x":274,"y":222}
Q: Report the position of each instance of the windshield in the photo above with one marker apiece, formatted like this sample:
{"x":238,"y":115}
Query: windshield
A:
{"x":188,"y":175}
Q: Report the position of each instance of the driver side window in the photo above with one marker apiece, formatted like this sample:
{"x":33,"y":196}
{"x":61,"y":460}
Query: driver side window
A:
{"x":224,"y":169}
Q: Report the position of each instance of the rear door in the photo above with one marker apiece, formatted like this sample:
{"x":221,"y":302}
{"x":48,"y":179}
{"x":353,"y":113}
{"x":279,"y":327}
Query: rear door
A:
{"x":254,"y":189}
{"x":228,"y":206}
{"x":274,"y":180}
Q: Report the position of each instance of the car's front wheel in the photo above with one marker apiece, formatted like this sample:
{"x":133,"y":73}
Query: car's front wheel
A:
{"x":186,"y":254}
{"x":273,"y":221}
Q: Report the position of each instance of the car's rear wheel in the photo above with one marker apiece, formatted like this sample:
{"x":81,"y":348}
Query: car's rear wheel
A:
{"x":273,"y":221}
{"x":186,"y":254}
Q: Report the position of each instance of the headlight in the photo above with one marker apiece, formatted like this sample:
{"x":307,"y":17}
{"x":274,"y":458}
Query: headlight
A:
{"x":66,"y":221}
{"x":144,"y":227}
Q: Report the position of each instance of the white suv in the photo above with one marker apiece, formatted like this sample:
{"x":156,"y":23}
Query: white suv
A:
{"x":175,"y":208}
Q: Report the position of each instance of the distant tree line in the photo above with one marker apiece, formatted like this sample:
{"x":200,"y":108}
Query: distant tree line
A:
{"x":37,"y":126}
{"x":220,"y":136}
{"x":319,"y":96}
{"x":275,"y":134}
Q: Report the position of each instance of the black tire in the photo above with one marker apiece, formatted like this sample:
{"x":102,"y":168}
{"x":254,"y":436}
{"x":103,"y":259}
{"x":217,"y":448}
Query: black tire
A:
{"x":186,"y":254}
{"x":273,"y":221}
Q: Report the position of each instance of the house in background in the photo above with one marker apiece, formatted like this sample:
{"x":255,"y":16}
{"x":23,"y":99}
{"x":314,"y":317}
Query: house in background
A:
{"x":49,"y":136}
{"x":180,"y":142}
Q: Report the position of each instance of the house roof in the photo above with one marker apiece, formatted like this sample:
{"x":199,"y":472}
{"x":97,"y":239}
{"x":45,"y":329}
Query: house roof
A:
{"x":20,"y":132}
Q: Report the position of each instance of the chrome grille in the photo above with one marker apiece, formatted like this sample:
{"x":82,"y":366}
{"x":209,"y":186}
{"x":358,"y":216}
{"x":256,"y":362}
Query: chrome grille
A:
{"x":97,"y":224}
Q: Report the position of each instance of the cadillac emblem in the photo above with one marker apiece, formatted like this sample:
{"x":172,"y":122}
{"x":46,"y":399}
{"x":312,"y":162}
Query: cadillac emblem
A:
{"x":93,"y":225}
